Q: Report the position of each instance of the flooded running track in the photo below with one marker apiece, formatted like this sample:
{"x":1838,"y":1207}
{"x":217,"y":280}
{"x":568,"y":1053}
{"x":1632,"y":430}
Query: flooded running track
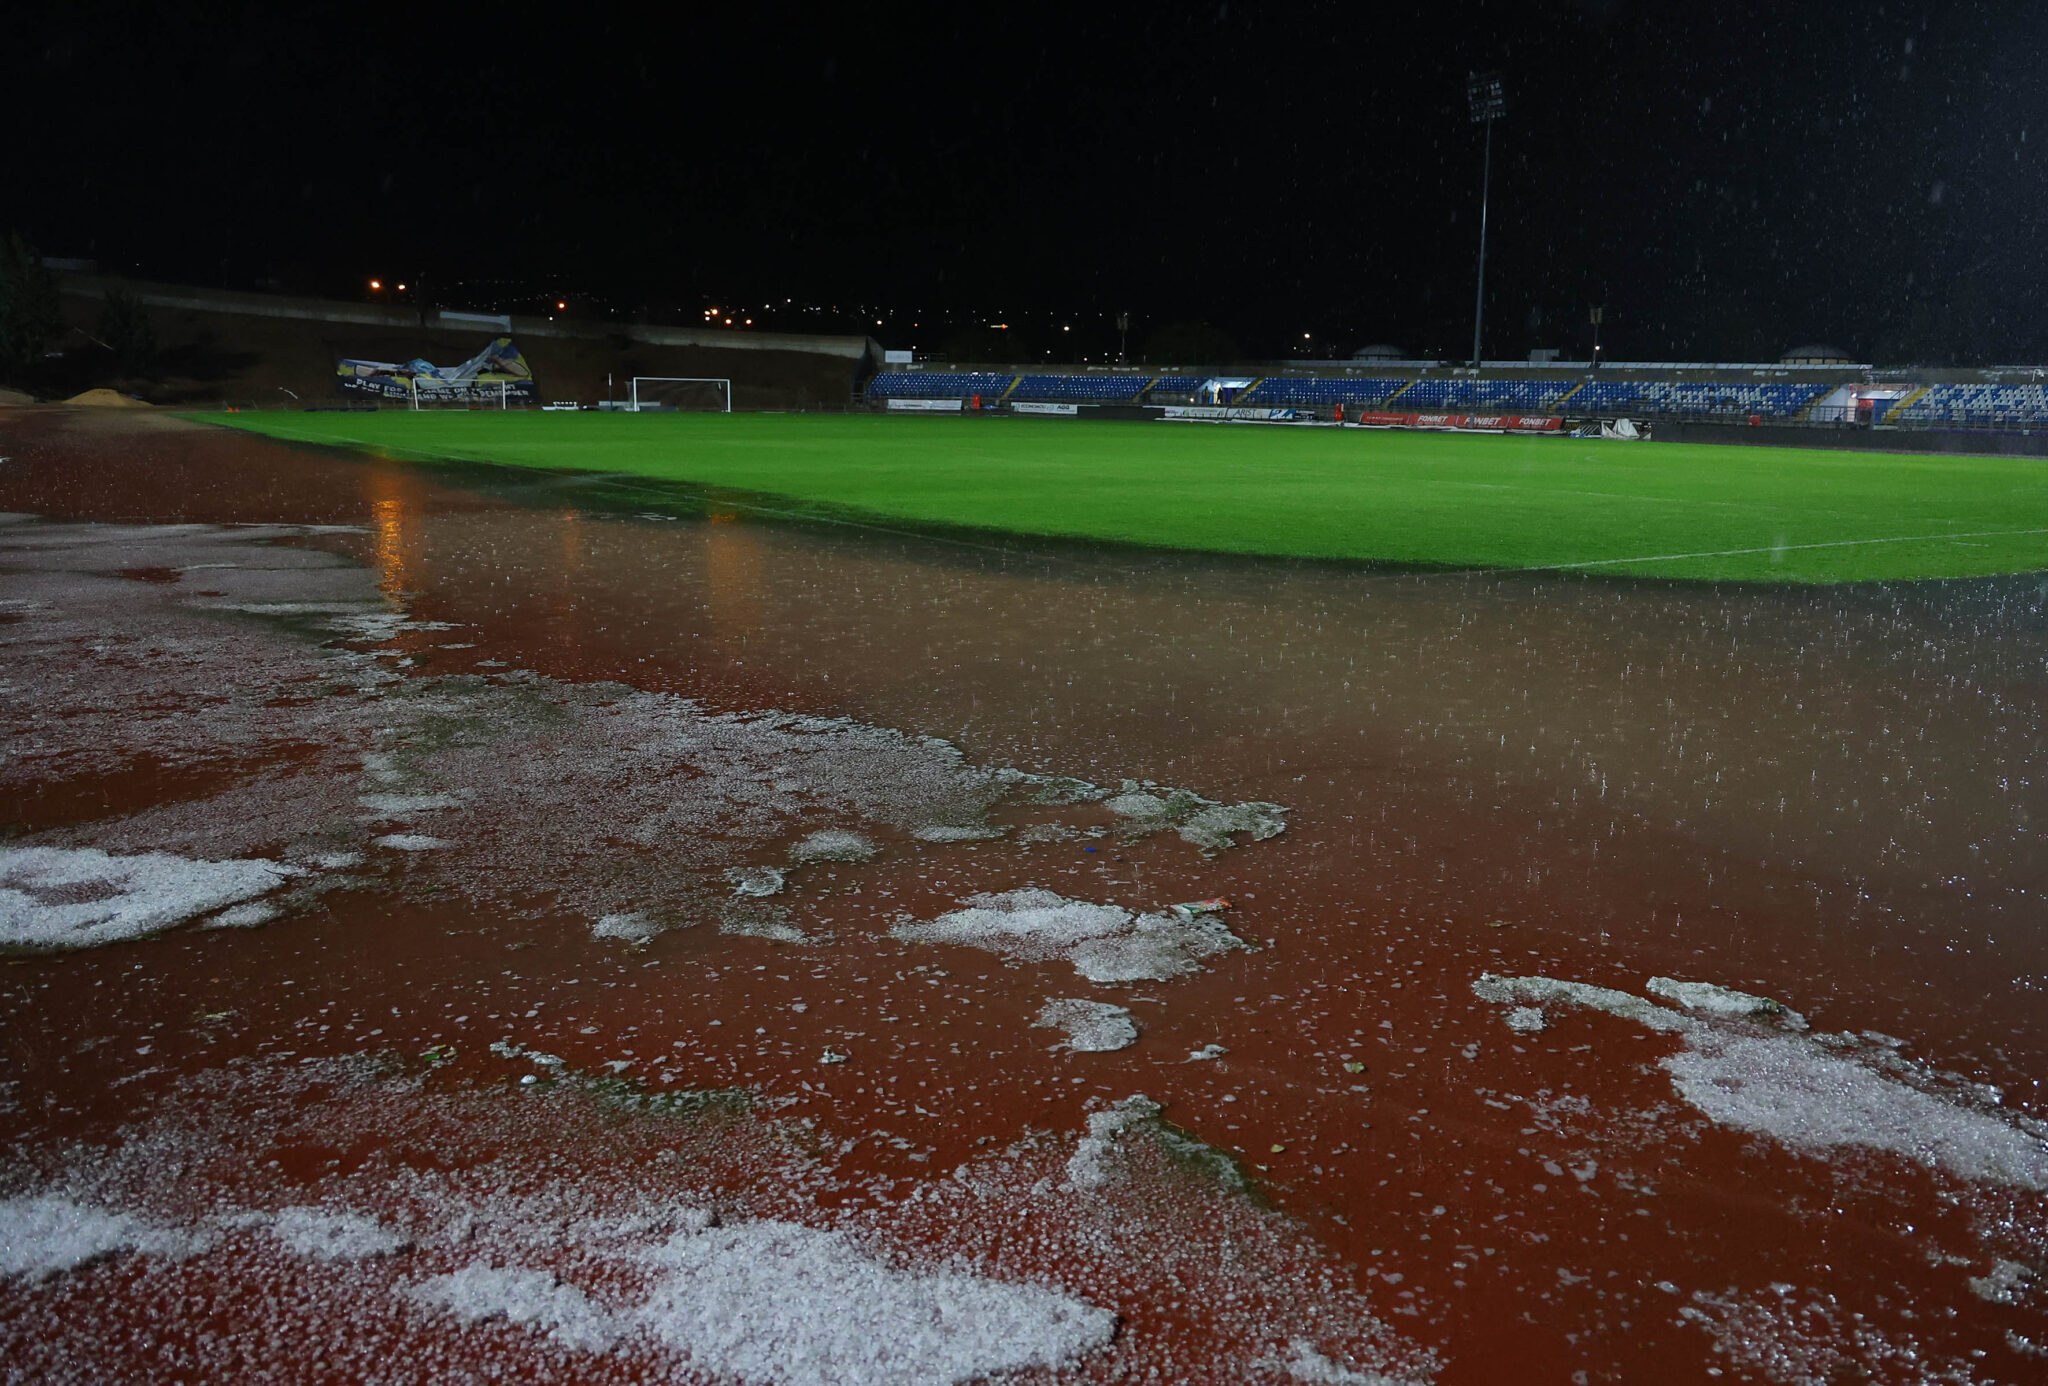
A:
{"x":509,"y":708}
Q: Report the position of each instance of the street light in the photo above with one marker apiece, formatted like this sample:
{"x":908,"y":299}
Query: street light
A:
{"x":1488,"y":103}
{"x":1593,"y":315}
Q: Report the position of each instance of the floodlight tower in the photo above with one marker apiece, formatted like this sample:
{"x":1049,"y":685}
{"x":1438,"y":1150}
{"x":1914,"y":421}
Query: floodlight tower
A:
{"x":1483,"y":92}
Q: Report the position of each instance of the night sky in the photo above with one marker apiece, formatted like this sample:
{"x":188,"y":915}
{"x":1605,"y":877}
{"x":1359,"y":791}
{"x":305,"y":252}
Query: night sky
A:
{"x":1729,"y":179}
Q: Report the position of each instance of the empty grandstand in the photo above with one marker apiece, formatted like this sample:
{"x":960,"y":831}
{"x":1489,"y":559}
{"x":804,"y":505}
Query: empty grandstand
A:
{"x":1974,"y":406}
{"x":1697,"y":399}
{"x":1817,"y":395}
{"x":939,"y":384}
{"x":1313,"y":390}
{"x":1101,"y":388}
{"x":1468,"y":392}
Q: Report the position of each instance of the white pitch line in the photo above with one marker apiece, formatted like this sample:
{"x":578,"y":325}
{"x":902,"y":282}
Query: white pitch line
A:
{"x":1780,"y":548}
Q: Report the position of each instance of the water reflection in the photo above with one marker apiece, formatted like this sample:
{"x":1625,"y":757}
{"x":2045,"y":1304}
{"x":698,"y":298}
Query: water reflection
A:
{"x":733,"y":562}
{"x":395,"y":497}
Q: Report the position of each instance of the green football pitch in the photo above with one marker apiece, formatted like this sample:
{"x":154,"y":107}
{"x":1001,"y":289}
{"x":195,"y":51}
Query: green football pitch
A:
{"x":1438,"y":500}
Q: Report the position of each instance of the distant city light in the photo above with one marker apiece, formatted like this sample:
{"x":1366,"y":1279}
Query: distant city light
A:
{"x":561,"y":305}
{"x":376,"y":283}
{"x":401,"y":288}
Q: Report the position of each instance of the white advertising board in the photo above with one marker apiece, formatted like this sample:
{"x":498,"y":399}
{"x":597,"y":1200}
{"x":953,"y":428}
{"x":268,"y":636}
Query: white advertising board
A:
{"x":1245,"y":413}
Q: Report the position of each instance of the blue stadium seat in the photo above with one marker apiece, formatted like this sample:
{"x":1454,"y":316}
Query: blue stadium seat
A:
{"x":1981,"y":406}
{"x":1517,"y":395}
{"x":1096,"y":387}
{"x":939,"y":384}
{"x":1301,"y":390}
{"x":1773,"y":399}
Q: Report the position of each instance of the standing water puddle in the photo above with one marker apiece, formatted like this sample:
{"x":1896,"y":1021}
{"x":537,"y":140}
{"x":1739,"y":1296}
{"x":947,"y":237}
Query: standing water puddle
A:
{"x":520,"y":930}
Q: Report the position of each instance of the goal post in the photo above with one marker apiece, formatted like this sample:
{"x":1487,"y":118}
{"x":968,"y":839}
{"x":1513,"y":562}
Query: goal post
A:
{"x":674,"y":392}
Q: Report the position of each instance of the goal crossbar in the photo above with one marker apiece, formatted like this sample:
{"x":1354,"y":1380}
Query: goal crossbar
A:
{"x":723,"y":383}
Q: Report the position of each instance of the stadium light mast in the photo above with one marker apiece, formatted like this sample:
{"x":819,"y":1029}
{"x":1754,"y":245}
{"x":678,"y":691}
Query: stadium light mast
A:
{"x":1483,"y":92}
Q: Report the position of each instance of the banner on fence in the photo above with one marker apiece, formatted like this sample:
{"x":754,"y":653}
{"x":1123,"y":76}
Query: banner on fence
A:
{"x":1217,"y":412}
{"x":497,"y":374}
{"x":1030,"y":407}
{"x":927,"y":406}
{"x":1483,"y":423}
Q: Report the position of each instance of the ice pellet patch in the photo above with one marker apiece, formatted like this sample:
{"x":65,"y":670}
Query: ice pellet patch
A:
{"x":529,"y":1298}
{"x":832,"y":844}
{"x":1087,"y":1167}
{"x":1304,"y":1363}
{"x":1157,"y":948}
{"x":1105,"y":943}
{"x":2007,"y":1283}
{"x":248,"y":915}
{"x":753,"y":919}
{"x":1811,"y":1100}
{"x":326,"y":1235}
{"x":1030,"y":923}
{"x":602,"y":798}
{"x":1808,"y":1097}
{"x":1813,"y":1341}
{"x":405,"y":805}
{"x":1709,"y":999}
{"x":755,"y":880}
{"x":1537,"y":992}
{"x":55,"y":897}
{"x":948,"y":832}
{"x":1204,"y":822}
{"x":544,"y":1248}
{"x":45,"y":1234}
{"x":631,"y":927}
{"x":1527,"y":1020}
{"x":777,"y":1301}
{"x":1093,"y":1027}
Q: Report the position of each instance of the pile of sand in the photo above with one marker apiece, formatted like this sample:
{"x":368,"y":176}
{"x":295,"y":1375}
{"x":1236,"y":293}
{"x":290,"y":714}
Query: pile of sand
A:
{"x":10,"y":398}
{"x":107,"y":399}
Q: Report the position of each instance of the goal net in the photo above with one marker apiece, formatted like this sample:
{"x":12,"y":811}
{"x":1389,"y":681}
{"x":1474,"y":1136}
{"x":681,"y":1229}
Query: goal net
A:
{"x":673,"y":392}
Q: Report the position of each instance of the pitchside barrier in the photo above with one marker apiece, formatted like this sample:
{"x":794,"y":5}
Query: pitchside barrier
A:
{"x":1484,"y":423}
